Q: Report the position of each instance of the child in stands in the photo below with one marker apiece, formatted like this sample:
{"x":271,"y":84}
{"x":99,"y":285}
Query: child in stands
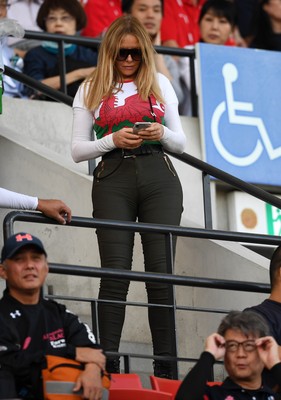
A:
{"x":65,"y":17}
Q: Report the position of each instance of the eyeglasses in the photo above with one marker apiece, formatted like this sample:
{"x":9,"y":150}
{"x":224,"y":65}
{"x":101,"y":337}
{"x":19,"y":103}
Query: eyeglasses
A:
{"x":65,"y":19}
{"x":123,"y":54}
{"x":248,"y":346}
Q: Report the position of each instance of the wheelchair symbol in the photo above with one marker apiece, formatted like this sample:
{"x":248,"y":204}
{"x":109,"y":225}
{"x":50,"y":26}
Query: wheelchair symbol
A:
{"x":230,"y":75}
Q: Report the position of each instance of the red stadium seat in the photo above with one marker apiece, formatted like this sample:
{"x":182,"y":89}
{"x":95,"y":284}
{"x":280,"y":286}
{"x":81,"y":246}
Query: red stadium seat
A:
{"x":165,"y":385}
{"x":125,"y":381}
{"x":138,"y":394}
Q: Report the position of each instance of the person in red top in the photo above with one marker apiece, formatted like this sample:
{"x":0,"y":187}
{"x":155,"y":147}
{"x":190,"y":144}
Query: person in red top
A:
{"x":193,"y":8}
{"x":243,"y":342}
{"x":217,"y":21}
{"x":176,"y":28}
{"x":100,"y":14}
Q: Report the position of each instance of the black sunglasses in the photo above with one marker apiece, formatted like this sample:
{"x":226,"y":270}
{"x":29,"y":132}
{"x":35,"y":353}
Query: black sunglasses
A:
{"x":123,"y":54}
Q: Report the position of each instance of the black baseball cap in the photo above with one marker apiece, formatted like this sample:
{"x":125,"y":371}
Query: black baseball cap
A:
{"x":15,"y":242}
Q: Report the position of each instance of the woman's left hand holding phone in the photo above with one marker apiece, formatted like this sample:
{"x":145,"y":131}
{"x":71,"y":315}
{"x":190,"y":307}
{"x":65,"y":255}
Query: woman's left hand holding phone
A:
{"x":126,"y":139}
{"x":154,"y":132}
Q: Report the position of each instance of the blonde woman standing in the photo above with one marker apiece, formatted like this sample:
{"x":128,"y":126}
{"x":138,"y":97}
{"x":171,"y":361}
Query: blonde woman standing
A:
{"x":135,"y":180}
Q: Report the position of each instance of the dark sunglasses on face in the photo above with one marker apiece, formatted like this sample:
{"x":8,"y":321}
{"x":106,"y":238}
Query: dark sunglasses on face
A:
{"x":123,"y":54}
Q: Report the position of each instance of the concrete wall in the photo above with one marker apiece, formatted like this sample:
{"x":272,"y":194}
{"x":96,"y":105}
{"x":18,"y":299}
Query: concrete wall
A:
{"x":35,"y":159}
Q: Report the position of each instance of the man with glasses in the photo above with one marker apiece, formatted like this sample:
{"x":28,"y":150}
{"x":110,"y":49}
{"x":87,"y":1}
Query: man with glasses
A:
{"x":244,"y":343}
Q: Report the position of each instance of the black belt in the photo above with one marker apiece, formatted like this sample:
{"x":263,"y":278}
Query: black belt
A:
{"x":143,"y":150}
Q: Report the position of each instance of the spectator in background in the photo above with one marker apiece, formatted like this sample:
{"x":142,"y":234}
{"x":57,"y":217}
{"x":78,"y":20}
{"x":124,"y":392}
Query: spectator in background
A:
{"x":270,"y":308}
{"x":100,"y":14}
{"x":217,"y":21}
{"x":51,"y":208}
{"x":9,"y":56}
{"x":267,"y":34}
{"x":176,"y":29}
{"x":64,"y":17}
{"x":193,"y":8}
{"x":181,"y":28}
{"x":33,"y":327}
{"x":150,"y":14}
{"x":243,"y":342}
{"x":246,"y":11}
{"x":25,"y":13}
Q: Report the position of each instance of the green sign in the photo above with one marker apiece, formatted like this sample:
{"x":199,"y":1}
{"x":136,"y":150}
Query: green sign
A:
{"x":273,"y":217}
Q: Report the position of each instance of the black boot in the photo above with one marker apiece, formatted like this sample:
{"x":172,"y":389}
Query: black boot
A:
{"x":113,"y":365}
{"x":163,"y":369}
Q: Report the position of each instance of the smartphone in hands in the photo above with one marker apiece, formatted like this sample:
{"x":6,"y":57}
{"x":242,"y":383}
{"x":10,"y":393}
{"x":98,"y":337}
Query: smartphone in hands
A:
{"x":139,"y":126}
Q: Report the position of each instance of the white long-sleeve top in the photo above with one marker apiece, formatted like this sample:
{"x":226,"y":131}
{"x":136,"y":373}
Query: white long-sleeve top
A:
{"x":9,"y":199}
{"x":123,"y":109}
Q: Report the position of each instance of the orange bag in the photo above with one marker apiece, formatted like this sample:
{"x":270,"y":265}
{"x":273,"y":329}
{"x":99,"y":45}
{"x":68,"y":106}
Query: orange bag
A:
{"x":60,"y":376}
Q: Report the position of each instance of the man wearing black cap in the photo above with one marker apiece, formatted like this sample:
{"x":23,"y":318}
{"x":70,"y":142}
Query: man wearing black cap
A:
{"x":32,"y":327}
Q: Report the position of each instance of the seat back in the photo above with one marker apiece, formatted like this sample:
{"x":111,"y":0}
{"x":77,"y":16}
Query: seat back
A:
{"x":165,"y":385}
{"x":125,"y":381}
{"x":170,"y":385}
{"x":211,"y":383}
{"x":138,"y":394}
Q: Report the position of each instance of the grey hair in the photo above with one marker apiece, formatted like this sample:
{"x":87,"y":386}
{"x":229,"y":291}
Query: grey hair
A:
{"x":248,"y":322}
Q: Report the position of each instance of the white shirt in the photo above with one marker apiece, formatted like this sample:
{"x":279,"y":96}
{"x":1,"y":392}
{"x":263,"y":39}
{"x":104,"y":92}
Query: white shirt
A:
{"x":83,"y":148}
{"x":9,"y":199}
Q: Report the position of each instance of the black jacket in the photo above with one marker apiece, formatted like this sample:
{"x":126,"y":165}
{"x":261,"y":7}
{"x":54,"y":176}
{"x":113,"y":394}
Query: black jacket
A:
{"x":28,"y":332}
{"x":194,"y":385}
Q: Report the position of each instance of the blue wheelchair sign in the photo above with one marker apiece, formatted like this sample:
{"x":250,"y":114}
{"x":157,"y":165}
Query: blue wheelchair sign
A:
{"x":240,"y":111}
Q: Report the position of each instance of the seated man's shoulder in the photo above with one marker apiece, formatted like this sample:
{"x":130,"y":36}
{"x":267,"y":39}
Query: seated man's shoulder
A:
{"x":266,"y":306}
{"x":53,"y":304}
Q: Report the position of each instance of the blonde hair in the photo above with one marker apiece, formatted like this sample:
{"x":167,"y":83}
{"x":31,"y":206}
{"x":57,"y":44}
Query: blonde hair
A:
{"x":106,"y":80}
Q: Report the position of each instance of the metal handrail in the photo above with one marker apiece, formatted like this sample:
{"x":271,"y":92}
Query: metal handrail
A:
{"x":171,"y":279}
{"x":39,"y":86}
{"x":175,"y":230}
{"x":209,"y":170}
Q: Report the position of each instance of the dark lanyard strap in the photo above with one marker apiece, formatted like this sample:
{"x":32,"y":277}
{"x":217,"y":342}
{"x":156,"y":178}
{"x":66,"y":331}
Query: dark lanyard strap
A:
{"x":151,"y":109}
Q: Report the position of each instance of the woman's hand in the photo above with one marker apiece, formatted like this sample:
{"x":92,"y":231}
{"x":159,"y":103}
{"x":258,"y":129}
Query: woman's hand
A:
{"x":126,"y":139}
{"x":55,"y":209}
{"x":154,"y":132}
